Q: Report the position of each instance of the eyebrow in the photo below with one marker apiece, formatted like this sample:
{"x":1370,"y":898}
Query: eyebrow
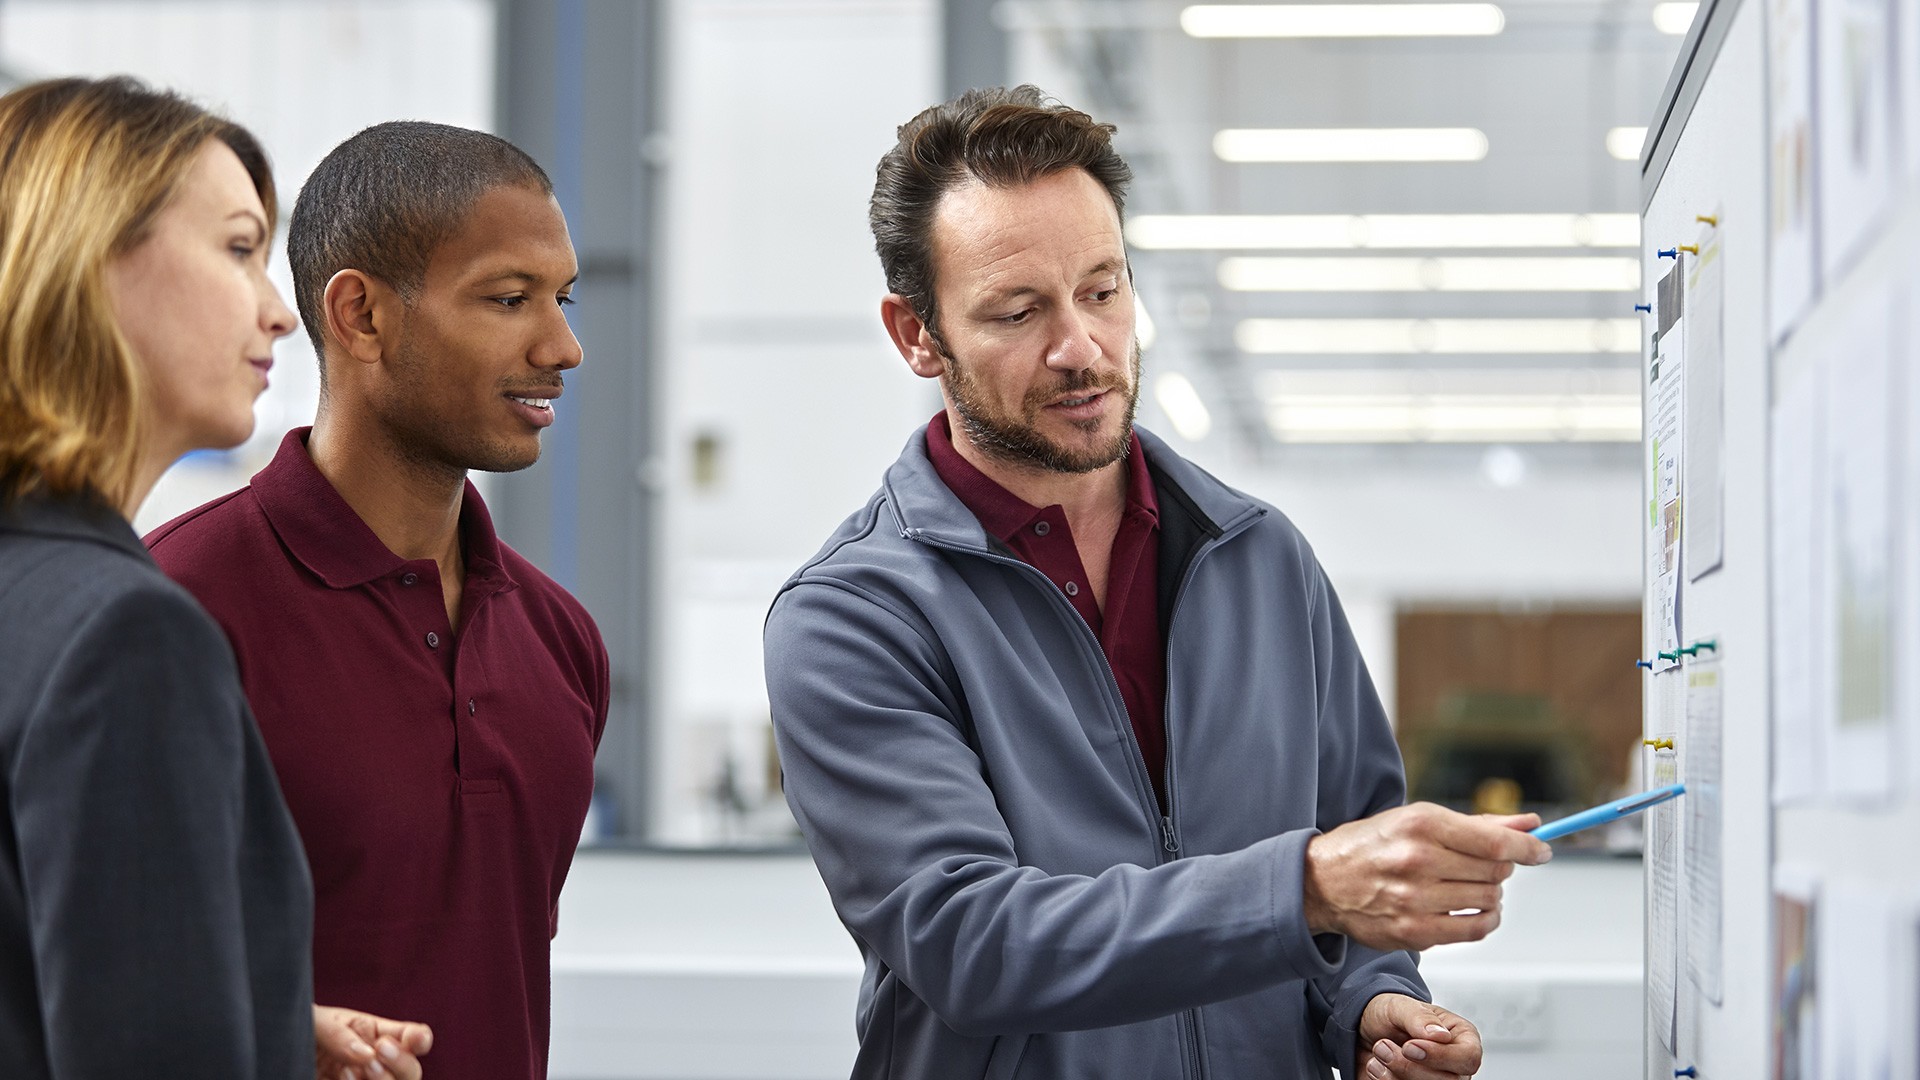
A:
{"x":258,"y":222}
{"x":527,"y":276}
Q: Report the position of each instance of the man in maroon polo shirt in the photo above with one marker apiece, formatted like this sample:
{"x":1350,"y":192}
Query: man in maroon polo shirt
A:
{"x":432,"y":701}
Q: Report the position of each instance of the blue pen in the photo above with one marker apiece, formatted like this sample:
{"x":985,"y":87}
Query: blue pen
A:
{"x":1613,"y":811}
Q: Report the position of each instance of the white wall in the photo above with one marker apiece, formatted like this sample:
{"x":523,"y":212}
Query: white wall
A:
{"x":772,"y":344}
{"x":301,"y":75}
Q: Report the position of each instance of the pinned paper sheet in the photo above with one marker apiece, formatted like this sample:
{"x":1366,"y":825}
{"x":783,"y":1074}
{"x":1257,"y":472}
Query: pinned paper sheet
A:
{"x":1790,"y":162}
{"x":1703,"y":835}
{"x":1704,"y":405}
{"x":1858,"y":751}
{"x":1794,"y":507}
{"x":1664,"y":448}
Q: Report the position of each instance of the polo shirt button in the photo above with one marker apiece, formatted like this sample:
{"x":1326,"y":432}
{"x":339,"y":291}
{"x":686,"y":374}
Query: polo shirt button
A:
{"x":1072,"y":589}
{"x":1041,"y":528}
{"x":433,"y":640}
{"x":469,"y":706}
{"x":409,"y":578}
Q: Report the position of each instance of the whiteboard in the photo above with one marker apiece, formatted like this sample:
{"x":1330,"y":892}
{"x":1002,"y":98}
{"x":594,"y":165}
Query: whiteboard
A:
{"x":1845,"y":356}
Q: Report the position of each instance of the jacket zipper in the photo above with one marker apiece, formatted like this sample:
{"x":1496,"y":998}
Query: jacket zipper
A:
{"x":1169,"y":836}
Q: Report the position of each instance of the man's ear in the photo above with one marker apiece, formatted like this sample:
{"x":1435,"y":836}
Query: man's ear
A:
{"x":912,"y":337}
{"x":359,"y":309}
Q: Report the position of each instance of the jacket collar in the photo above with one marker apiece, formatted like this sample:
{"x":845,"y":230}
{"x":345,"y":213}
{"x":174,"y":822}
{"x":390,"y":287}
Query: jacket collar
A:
{"x":925,"y":508}
{"x":73,"y":517}
{"x":325,"y":534}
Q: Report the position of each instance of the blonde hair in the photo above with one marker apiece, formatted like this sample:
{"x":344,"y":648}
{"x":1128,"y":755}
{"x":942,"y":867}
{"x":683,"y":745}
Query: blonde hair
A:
{"x":85,"y":166}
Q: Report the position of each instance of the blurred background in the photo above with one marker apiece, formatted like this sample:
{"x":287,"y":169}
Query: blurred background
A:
{"x":1387,"y":265}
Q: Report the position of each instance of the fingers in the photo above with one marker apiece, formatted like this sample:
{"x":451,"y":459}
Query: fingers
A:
{"x":1487,"y":837}
{"x":1401,"y":1063}
{"x":400,"y":1064}
{"x":411,"y":1037}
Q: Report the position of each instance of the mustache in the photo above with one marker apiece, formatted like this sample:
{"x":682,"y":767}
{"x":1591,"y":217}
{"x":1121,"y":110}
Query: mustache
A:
{"x":521,"y":389}
{"x":1075,"y":382}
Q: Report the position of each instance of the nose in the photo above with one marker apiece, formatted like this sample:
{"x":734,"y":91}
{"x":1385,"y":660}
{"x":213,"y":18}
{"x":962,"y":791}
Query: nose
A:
{"x":1073,"y":347}
{"x":558,"y":348}
{"x":275,"y":317}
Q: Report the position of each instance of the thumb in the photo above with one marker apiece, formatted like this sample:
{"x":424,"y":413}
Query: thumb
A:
{"x":1520,"y":822}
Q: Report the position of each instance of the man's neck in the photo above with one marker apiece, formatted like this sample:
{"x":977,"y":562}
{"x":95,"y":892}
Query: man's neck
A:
{"x":413,"y":508}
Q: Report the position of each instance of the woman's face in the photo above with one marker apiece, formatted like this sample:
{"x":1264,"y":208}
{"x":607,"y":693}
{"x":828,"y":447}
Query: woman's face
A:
{"x":194,"y":301}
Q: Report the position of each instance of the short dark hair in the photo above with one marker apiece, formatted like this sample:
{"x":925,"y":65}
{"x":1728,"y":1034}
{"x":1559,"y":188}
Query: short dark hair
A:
{"x":385,"y":199}
{"x":1003,"y":138}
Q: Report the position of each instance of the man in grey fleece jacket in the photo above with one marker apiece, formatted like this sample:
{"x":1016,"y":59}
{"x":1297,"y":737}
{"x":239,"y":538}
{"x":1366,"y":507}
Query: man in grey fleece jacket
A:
{"x":1078,"y":735}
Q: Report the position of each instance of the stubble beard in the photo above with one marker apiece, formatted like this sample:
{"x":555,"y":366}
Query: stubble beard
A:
{"x":1017,"y":441}
{"x":430,"y":440}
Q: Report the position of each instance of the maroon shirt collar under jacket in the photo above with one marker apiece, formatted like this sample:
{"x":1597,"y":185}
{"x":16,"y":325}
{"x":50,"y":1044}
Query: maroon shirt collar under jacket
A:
{"x":1128,"y":629}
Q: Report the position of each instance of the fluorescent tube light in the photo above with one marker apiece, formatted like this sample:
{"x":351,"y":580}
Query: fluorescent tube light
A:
{"x":1316,"y":145}
{"x":1625,"y":142}
{"x":1674,"y":18}
{"x":1306,"y":232}
{"x":1341,"y":20}
{"x":1182,"y":404}
{"x":1297,"y":337}
{"x":1452,"y":406}
{"x":1252,"y":273}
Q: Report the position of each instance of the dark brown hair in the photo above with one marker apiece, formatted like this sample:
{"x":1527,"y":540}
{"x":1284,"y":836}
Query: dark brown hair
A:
{"x":1001,"y":137}
{"x":85,"y":167}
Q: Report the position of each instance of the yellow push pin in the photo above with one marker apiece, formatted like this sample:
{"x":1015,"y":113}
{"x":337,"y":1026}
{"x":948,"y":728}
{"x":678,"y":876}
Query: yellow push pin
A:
{"x":1658,"y":744}
{"x":1691,"y":249}
{"x":1713,"y":221}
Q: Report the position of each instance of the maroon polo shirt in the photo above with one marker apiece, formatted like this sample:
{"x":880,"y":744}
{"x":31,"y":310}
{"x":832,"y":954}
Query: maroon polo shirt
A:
{"x":439,"y":775}
{"x":1129,"y":628}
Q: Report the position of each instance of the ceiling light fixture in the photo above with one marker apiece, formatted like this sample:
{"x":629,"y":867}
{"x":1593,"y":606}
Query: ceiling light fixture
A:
{"x":1319,"y":145}
{"x":1579,"y":273}
{"x":1305,"y":337}
{"x":1182,"y":404}
{"x":1341,"y":20}
{"x":1625,"y":142}
{"x":1674,"y":18}
{"x":1304,"y":232}
{"x":1452,"y":405}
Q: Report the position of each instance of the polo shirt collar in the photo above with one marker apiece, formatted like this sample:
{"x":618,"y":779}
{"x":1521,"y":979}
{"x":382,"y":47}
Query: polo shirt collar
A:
{"x":923,"y":504}
{"x":322,"y":531}
{"x":1004,"y":514}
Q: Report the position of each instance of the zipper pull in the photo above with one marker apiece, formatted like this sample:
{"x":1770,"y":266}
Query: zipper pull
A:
{"x":1166,"y":835}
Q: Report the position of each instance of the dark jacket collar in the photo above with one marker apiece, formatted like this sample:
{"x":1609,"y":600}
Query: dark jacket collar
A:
{"x":329,"y":539}
{"x":923,"y":506}
{"x":72,"y":517}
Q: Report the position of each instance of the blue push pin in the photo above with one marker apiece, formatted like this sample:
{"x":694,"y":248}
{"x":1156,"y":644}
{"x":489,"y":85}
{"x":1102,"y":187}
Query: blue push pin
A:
{"x":1648,"y":308}
{"x":1648,"y":664}
{"x":1669,"y":253}
{"x":1688,"y":1071}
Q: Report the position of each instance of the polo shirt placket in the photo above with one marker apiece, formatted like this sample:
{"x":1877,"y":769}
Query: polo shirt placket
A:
{"x":439,"y":775}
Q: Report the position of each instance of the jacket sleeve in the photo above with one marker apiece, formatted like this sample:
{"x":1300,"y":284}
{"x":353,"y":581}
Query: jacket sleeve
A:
{"x":1360,"y":775}
{"x":922,"y":868}
{"x":127,"y":794}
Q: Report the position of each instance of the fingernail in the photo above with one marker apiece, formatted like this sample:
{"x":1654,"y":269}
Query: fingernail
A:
{"x":1376,"y":1068}
{"x":374,"y":1068}
{"x":1436,"y":1029}
{"x":389,"y":1051}
{"x":1414,"y":1052}
{"x":1383,"y":1050}
{"x":360,"y":1049}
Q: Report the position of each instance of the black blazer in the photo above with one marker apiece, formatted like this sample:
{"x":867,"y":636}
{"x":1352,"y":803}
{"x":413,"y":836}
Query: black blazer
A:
{"x":156,"y":916}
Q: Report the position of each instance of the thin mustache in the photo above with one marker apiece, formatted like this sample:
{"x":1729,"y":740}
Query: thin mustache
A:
{"x":1079,"y":380}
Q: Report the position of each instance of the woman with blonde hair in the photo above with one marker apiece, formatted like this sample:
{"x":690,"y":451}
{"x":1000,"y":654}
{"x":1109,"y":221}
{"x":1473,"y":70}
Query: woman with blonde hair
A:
{"x":155,"y":907}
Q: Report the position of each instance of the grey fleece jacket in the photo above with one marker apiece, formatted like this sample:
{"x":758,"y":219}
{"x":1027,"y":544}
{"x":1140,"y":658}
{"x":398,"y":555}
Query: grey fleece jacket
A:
{"x":958,"y":755}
